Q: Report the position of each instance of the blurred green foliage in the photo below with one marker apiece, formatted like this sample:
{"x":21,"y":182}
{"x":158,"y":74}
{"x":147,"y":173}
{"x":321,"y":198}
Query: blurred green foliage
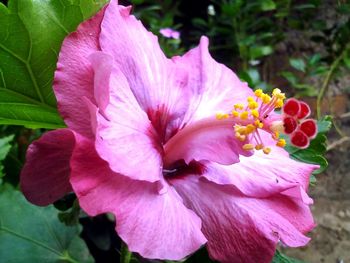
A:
{"x":158,"y":15}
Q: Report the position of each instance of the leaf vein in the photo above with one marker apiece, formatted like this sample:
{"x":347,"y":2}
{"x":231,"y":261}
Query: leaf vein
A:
{"x":27,"y":98}
{"x":9,"y":231}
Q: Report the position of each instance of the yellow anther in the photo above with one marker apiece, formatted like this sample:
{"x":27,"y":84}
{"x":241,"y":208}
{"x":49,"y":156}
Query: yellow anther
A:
{"x":267,"y":150}
{"x":258,"y":124}
{"x":250,"y":128}
{"x":276,"y":135}
{"x":240,"y":137}
{"x":276,"y":91}
{"x":255,"y":113}
{"x":281,"y":96}
{"x":250,"y":99}
{"x":265,"y":98}
{"x":281,"y":143}
{"x":253,"y":105}
{"x":244,"y":115}
{"x":259,"y":147}
{"x":279,"y":103}
{"x":235,"y":113}
{"x":258,"y":93}
{"x":278,"y":94}
{"x":221,"y":116}
{"x":241,"y":130}
{"x":238,"y":106}
{"x":248,"y":146}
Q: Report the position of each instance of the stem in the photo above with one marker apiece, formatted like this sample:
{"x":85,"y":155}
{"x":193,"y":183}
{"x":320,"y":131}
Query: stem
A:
{"x":125,"y":254}
{"x":327,"y":80}
{"x":338,"y":129}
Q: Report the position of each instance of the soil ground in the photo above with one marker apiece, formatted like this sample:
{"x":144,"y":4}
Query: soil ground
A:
{"x":331,"y":238}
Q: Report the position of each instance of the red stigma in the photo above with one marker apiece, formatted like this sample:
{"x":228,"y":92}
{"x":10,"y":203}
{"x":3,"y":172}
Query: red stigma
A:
{"x":290,"y":125}
{"x":299,"y":129}
{"x":300,"y":140}
{"x":304,"y":110}
{"x":291,"y":107}
{"x":309,"y":127}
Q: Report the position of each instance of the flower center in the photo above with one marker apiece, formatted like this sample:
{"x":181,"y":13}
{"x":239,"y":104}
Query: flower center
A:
{"x":258,"y":114}
{"x":180,"y":168}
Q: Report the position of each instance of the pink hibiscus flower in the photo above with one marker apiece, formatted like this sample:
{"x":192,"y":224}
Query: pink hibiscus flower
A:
{"x":146,"y":142}
{"x":169,"y":33}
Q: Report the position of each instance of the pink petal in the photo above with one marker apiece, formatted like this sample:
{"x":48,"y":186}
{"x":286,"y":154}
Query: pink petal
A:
{"x":214,"y":87}
{"x":207,"y":139}
{"x":300,"y":194}
{"x":125,"y":137}
{"x":155,"y":82}
{"x":152,"y":224}
{"x":169,"y":33}
{"x":262,"y":175}
{"x":102,"y":64}
{"x":45,"y":175}
{"x":74,"y":78}
{"x":296,"y":212}
{"x":243,"y":229}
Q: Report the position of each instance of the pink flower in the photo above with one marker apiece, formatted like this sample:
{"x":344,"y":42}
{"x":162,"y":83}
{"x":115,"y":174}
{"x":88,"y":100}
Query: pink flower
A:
{"x":170,"y":33}
{"x":144,"y":144}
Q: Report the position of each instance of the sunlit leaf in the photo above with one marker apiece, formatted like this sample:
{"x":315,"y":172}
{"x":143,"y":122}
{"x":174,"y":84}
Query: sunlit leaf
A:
{"x":31,"y":34}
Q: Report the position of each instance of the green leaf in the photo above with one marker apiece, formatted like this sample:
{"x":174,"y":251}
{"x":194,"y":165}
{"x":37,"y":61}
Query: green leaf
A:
{"x":325,"y":124}
{"x":305,"y":6}
{"x":258,"y":52}
{"x":5,"y":147}
{"x":309,"y":156}
{"x":347,"y":61}
{"x":268,"y":5}
{"x":292,"y":79}
{"x":314,"y":59}
{"x":31,"y":34}
{"x":297,"y":63}
{"x":251,"y":75}
{"x":281,"y":258}
{"x":70,"y":217}
{"x":31,"y":234}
